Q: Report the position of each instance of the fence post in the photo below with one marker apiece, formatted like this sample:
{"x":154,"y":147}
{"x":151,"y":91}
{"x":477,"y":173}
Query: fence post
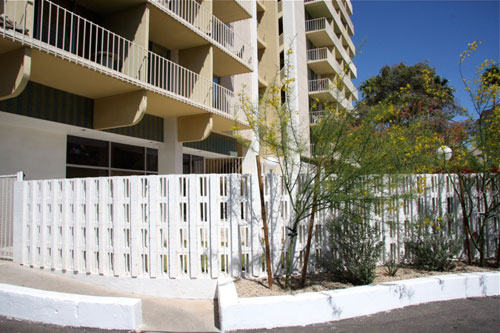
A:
{"x":173,"y":216}
{"x":19,"y":243}
{"x":154,"y":226}
{"x":194,"y":217}
{"x":233,"y":206}
{"x":214,"y":226}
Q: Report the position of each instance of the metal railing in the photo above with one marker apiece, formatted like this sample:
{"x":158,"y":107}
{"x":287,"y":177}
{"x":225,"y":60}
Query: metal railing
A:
{"x":317,"y":54}
{"x":316,"y":24}
{"x":198,"y":17}
{"x":7,"y":214}
{"x":59,"y":31}
{"x":315,"y":116}
{"x":320,"y":85}
{"x":224,"y":165}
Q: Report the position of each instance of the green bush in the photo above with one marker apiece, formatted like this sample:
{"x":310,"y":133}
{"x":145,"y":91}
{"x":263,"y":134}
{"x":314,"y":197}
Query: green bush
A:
{"x":353,"y":251}
{"x":431,"y":246}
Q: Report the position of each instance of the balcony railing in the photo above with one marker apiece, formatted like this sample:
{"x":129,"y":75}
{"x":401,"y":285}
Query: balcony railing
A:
{"x":320,"y":85}
{"x":224,"y":165}
{"x":317,"y":54}
{"x":59,"y":31}
{"x":316,"y":24}
{"x":198,"y":17}
{"x":315,"y":116}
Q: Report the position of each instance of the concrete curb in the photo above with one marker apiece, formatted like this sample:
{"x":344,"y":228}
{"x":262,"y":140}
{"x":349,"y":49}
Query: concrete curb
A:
{"x":312,"y":308}
{"x":70,"y":309}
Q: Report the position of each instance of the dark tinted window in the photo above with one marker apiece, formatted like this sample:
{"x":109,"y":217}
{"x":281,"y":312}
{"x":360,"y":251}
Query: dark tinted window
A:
{"x":152,"y":160}
{"x":72,"y":172}
{"x":85,"y":151}
{"x":127,"y":157}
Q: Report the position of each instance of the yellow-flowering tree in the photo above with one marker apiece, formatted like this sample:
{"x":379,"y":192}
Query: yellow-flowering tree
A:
{"x":349,"y":147}
{"x":476,"y":159}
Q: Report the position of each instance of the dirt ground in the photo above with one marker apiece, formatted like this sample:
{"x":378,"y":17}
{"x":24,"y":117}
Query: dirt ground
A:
{"x":323,"y":281}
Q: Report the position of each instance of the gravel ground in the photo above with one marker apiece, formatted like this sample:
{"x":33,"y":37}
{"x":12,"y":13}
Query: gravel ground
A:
{"x":320,"y":282}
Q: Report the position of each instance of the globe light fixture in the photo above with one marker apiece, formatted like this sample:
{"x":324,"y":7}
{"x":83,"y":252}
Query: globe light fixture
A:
{"x":444,"y":152}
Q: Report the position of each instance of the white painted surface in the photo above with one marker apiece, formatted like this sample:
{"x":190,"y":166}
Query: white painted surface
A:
{"x":41,"y":154}
{"x":174,"y":227}
{"x":168,"y":288}
{"x":312,"y":308}
{"x":38,"y":147}
{"x":170,"y":151}
{"x":70,"y":309}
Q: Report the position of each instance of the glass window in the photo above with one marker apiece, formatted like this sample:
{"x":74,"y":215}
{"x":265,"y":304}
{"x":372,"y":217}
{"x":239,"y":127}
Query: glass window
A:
{"x":127,"y":157}
{"x":73,"y":172}
{"x":152,"y":160}
{"x":83,"y":151}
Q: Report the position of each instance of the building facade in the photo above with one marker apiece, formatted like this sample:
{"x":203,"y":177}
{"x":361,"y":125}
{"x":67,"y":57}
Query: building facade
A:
{"x":107,"y":88}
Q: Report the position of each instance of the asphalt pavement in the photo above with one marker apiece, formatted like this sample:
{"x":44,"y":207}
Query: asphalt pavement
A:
{"x":464,"y":315}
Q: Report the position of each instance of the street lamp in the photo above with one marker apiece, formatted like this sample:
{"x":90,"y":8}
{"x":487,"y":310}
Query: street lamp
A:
{"x":444,"y":152}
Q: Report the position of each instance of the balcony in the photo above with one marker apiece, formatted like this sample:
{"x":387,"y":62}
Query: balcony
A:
{"x":232,"y":10}
{"x":340,"y":6}
{"x":76,"y":55}
{"x":190,"y":24}
{"x":320,"y":32}
{"x":325,"y":91}
{"x":320,"y":8}
{"x":322,"y":61}
{"x":315,"y":116}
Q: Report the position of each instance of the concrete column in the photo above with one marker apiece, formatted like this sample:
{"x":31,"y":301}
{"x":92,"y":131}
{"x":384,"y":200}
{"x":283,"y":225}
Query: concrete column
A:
{"x":170,"y":151}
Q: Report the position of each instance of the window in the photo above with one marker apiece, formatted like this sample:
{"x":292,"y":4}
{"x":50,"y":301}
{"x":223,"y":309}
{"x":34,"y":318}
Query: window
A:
{"x":95,"y":158}
{"x":192,"y":164}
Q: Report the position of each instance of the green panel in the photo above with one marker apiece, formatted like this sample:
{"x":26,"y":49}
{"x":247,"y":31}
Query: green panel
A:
{"x":42,"y":102}
{"x":150,"y":128}
{"x":216,"y":143}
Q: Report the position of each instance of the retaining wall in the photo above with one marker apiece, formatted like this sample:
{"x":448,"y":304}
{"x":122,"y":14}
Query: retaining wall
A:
{"x":319,"y":307}
{"x":70,"y":309}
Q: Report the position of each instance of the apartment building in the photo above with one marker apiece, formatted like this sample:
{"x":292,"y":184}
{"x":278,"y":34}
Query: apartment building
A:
{"x":318,"y":35}
{"x":102,"y":88}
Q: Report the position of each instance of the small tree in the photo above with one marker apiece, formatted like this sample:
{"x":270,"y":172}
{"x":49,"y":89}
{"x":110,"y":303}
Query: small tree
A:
{"x":479,"y":153}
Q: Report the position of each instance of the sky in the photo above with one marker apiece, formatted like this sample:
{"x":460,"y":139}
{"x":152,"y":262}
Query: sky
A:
{"x":391,"y":32}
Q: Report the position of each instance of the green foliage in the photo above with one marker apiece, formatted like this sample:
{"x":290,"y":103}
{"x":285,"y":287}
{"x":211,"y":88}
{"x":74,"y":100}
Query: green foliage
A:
{"x":354,"y":250}
{"x":417,"y":91}
{"x":431,"y":246}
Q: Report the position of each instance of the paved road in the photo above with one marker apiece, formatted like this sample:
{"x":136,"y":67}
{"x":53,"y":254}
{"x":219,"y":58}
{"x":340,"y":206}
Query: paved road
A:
{"x":467,"y":315}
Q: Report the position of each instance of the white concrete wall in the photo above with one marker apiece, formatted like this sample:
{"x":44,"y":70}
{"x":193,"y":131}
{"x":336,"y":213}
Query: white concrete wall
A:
{"x":70,"y":309}
{"x":38,"y":147}
{"x":312,"y":308}
{"x":170,"y":150}
{"x":40,"y":153}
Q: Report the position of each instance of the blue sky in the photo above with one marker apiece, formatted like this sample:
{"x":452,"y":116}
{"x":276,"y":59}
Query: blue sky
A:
{"x":390,"y":32}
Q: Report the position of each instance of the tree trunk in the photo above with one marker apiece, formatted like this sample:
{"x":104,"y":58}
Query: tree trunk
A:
{"x":264,"y":222}
{"x":308,"y":246}
{"x":465,"y":220}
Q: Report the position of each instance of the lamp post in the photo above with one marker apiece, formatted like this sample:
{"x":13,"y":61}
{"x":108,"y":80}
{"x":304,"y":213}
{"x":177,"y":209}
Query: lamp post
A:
{"x":444,"y":152}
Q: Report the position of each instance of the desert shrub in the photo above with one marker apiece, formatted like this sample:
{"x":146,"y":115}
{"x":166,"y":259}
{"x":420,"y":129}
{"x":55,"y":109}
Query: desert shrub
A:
{"x":431,"y":245}
{"x":353,"y":252}
{"x":391,"y":267}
